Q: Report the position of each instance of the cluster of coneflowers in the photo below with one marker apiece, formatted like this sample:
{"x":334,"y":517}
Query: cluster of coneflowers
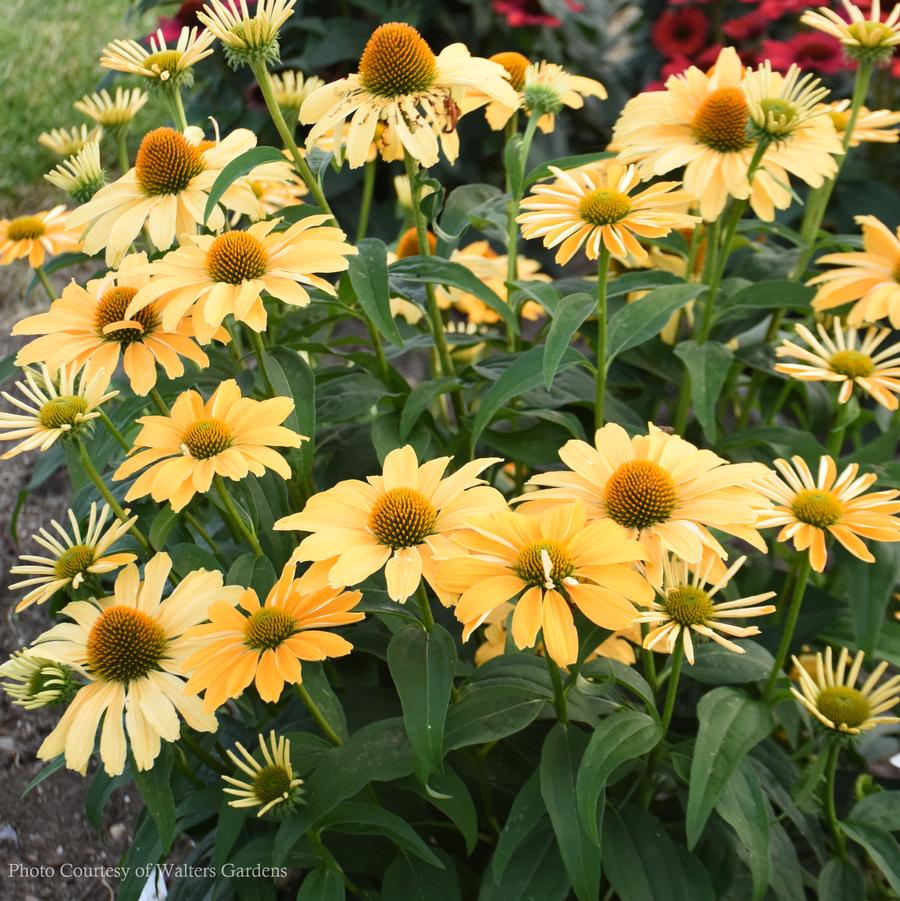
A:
{"x":624,"y":532}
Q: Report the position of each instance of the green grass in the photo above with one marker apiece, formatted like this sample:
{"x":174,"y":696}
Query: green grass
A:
{"x":48,"y":59}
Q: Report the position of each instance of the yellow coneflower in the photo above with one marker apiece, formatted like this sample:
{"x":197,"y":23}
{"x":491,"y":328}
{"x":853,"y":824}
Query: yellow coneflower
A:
{"x":247,"y":36}
{"x":807,"y":508}
{"x":73,"y":557}
{"x":54,"y":407}
{"x":871,"y":125}
{"x":271,"y":784}
{"x":868,"y":277}
{"x":162,"y":64}
{"x":211,"y":277}
{"x":291,"y":87}
{"x":548,"y":563}
{"x":264,"y":644}
{"x":88,"y":326}
{"x":781,"y":105}
{"x":34,"y":682}
{"x":113,"y":112}
{"x":228,"y":436}
{"x":68,"y":141}
{"x":863,"y":39}
{"x":686,"y":605}
{"x":38,"y":236}
{"x":416,"y":94}
{"x":398,"y":521}
{"x":847,"y":360}
{"x":130,"y":647}
{"x":80,"y":176}
{"x":833,"y":698}
{"x":595,"y":205}
{"x":664,"y":491}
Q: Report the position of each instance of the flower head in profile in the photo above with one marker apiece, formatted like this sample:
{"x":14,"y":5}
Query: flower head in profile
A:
{"x":685,"y":605}
{"x":868,"y":277}
{"x":37,"y":236}
{"x":161,"y":64}
{"x":845,"y":359}
{"x":249,"y":37}
{"x":664,"y":491}
{"x":595,"y":206}
{"x":228,"y":436}
{"x":877,"y":126}
{"x":130,"y":648}
{"x":81,"y":176}
{"x":865,"y":39}
{"x":88,"y":327}
{"x":548,"y":564}
{"x":58,"y":405}
{"x":211,"y":277}
{"x":417,"y":95}
{"x":808,"y":508}
{"x":32,"y":682}
{"x":114,"y":112}
{"x":831,"y":696}
{"x":399,"y":521}
{"x":165,"y":192}
{"x":68,"y":141}
{"x":264,"y":644}
{"x":779,"y":105}
{"x":291,"y":87}
{"x":73,"y":556}
{"x":269,"y":784}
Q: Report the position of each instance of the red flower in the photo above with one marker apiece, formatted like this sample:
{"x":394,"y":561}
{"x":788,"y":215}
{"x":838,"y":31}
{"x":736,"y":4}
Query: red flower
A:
{"x":813,"y":51}
{"x":522,"y":13}
{"x":680,"y":32}
{"x":171,"y":29}
{"x":746,"y":28}
{"x":775,"y":9}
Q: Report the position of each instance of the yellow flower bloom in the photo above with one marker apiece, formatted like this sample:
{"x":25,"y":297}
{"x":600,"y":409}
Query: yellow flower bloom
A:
{"x":56,"y":406}
{"x":35,"y":683}
{"x":546,"y":563}
{"x":595,"y":206}
{"x":416,"y":94}
{"x":162,"y":64}
{"x":166,"y":192}
{"x":400,"y":520}
{"x":834,"y":700}
{"x":247,"y":36}
{"x":89,"y":327}
{"x":868,"y":277}
{"x":113,"y":112}
{"x":81,"y":175}
{"x":686,"y":605}
{"x":130,"y":648}
{"x":702,"y":122}
{"x":271,"y":784}
{"x":291,"y":88}
{"x":871,"y":125}
{"x":781,"y":106}
{"x":863,"y":39}
{"x":72,"y":556}
{"x":37,"y":236}
{"x":846,"y":360}
{"x":665,"y":492}
{"x":228,"y":436}
{"x":265,"y":644}
{"x":211,"y":277}
{"x":68,"y":141}
{"x":807,"y":507}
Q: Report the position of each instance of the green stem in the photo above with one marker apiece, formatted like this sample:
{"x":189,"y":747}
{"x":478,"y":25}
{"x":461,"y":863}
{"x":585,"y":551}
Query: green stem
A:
{"x":201,"y":754}
{"x":157,"y":399}
{"x":180,"y":760}
{"x":559,"y":696}
{"x":600,"y":396}
{"x":424,"y":605}
{"x":110,"y":427}
{"x":316,"y":713}
{"x":91,"y":472}
{"x":174,"y":94}
{"x":834,"y":753}
{"x":648,"y":663}
{"x":672,"y":688}
{"x":264,"y":79}
{"x":260,"y":352}
{"x":801,"y":578}
{"x":42,"y":277}
{"x":365,"y":204}
{"x":201,"y":531}
{"x":733,"y":217}
{"x":235,"y":520}
{"x":122,"y":151}
{"x":378,"y":350}
{"x":838,"y":429}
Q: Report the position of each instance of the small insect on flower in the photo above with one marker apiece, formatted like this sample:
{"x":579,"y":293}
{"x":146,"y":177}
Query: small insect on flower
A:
{"x":32,"y":682}
{"x":270,"y":784}
{"x":56,"y":406}
{"x":73,"y":556}
{"x":831,"y":696}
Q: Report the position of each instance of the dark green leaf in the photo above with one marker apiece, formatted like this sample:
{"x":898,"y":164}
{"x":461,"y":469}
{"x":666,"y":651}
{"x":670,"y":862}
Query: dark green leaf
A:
{"x":868,"y":589}
{"x":488,"y":714}
{"x":155,"y":786}
{"x":642,"y":280}
{"x":411,"y":879}
{"x":418,"y":400}
{"x":616,"y":740}
{"x":527,"y":809}
{"x":535,"y":872}
{"x":570,"y":314}
{"x":322,"y":885}
{"x":560,"y":757}
{"x":841,"y":881}
{"x":102,"y":786}
{"x":229,"y":824}
{"x":565,"y":162}
{"x":779,"y":294}
{"x":294,"y":378}
{"x":368,"y":273}
{"x":707,"y":367}
{"x":881,"y":810}
{"x":237,"y":168}
{"x":162,"y":525}
{"x":604,"y":669}
{"x":731,"y":723}
{"x":47,"y":770}
{"x":316,"y":683}
{"x":450,"y":795}
{"x":642,"y":320}
{"x":881,"y":847}
{"x":463,"y":204}
{"x":715,"y":665}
